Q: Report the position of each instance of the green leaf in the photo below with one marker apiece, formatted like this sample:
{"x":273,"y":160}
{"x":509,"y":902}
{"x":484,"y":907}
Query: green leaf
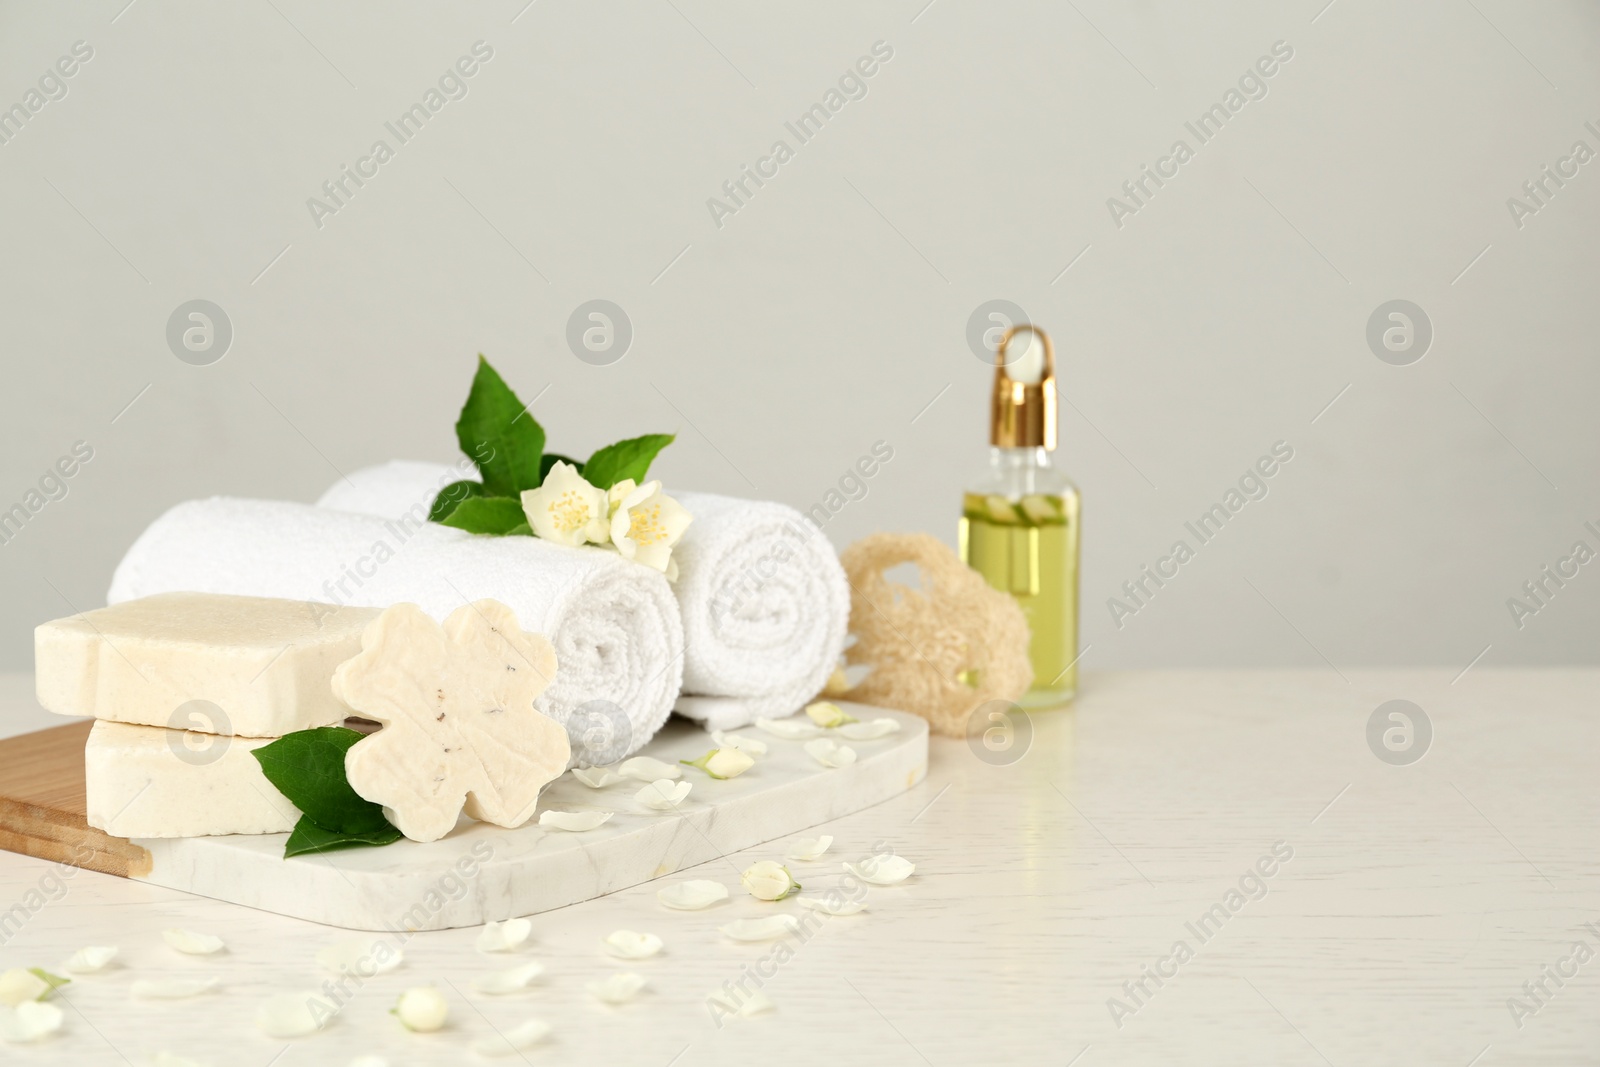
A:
{"x":551,"y":459}
{"x":308,"y":768}
{"x":625,"y":459}
{"x":309,"y":837}
{"x":504,"y":440}
{"x":450,"y":496}
{"x":487,"y":515}
{"x":54,"y":981}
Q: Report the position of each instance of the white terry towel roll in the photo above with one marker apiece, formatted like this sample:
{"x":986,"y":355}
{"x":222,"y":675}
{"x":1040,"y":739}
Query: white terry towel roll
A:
{"x":764,"y":600}
{"x":615,"y":625}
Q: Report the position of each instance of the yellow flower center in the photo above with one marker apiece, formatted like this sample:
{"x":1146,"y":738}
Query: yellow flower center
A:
{"x":569,"y":510}
{"x":644,"y":525}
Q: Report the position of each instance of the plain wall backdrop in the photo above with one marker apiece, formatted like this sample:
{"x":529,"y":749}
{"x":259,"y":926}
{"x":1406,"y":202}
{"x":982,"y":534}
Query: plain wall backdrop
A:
{"x":1226,"y":312}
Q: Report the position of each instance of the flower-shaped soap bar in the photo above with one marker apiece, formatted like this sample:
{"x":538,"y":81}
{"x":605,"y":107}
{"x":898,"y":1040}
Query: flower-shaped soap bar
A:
{"x":459,"y":725}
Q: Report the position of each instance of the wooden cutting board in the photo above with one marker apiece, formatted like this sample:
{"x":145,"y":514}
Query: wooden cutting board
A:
{"x":479,"y":872}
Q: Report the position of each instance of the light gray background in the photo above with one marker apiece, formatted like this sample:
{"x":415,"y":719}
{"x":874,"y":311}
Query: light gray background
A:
{"x":830,"y":312}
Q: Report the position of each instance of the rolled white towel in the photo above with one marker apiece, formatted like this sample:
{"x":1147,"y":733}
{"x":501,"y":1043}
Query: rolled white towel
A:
{"x":615,"y":625}
{"x":764,"y":600}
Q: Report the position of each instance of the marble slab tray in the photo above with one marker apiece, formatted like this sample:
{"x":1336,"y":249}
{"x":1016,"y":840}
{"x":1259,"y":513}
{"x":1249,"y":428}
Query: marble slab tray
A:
{"x":481,"y":873}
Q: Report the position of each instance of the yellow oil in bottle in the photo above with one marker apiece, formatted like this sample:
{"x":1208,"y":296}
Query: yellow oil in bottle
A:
{"x":1028,"y":547}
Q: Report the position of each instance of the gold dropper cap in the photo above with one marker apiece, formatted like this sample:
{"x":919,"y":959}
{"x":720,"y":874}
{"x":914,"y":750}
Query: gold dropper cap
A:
{"x":1023,"y":412}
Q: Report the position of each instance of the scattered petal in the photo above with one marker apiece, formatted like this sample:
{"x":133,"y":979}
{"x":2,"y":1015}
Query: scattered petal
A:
{"x":663,"y":795}
{"x":646,"y":769}
{"x":882,"y":870}
{"x":810,"y":848}
{"x":504,"y":983}
{"x":289,"y":1015}
{"x":596,"y":777}
{"x":773,"y":926}
{"x":830,"y":753}
{"x":19,"y":986}
{"x":692,"y":896}
{"x":869,"y":731}
{"x":362,"y":956}
{"x":190,"y":943}
{"x":422,"y":1010}
{"x":828,"y":714}
{"x":753,"y":1003}
{"x":171,"y":988}
{"x":28,"y":1022}
{"x":574,"y":821}
{"x":768,"y":880}
{"x":510,"y":1042}
{"x":619,"y":988}
{"x":790,"y":729}
{"x":91,"y":960}
{"x":628,"y":945}
{"x":751,"y":745}
{"x":504,"y":936}
{"x":828,"y":906}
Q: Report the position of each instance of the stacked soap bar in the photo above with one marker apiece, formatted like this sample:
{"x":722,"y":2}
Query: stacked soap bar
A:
{"x":185,"y":686}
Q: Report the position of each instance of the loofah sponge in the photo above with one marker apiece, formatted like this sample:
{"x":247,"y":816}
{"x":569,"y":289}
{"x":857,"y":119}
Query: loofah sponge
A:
{"x":938,"y":651}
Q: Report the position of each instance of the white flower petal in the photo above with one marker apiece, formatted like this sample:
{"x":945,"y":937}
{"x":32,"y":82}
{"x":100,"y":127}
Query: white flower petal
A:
{"x":744,"y":744}
{"x":18,"y":986}
{"x":422,"y":1010}
{"x":765,"y":929}
{"x":810,"y":848}
{"x":882,"y":870}
{"x":171,"y":988}
{"x":662,"y":795}
{"x":574,"y":821}
{"x":510,"y":1042}
{"x":619,"y":988}
{"x":646,"y":769}
{"x":91,"y":959}
{"x":362,"y":956}
{"x":628,"y":945}
{"x":504,"y":936}
{"x":753,"y":1003}
{"x":596,"y":777}
{"x":28,"y":1022}
{"x":289,"y":1015}
{"x":504,"y":983}
{"x":791,"y":729}
{"x":869,"y":731}
{"x":693,"y":895}
{"x":768,"y":880}
{"x":829,"y":753}
{"x":829,"y":907}
{"x":190,"y":943}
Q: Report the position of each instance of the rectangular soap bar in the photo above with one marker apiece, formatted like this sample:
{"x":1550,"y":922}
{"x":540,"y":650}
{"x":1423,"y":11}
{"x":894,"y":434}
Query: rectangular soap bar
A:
{"x":147,"y":781}
{"x":250,"y":666}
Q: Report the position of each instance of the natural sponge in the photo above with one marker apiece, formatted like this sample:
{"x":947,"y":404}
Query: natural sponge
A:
{"x":939,"y":650}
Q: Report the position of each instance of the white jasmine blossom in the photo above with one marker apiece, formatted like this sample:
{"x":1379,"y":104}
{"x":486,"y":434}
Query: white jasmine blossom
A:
{"x":810,"y":848}
{"x":566,"y":509}
{"x":828,"y":714}
{"x":421,"y":1010}
{"x":190,"y":943}
{"x":574,"y":821}
{"x":18,"y":986}
{"x":769,"y":880}
{"x":692,"y":895}
{"x":628,"y":945}
{"x":723,"y":763}
{"x":503,"y":936}
{"x":646,"y":523}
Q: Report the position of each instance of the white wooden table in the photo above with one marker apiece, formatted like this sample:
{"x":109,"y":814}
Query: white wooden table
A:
{"x":1418,"y":900}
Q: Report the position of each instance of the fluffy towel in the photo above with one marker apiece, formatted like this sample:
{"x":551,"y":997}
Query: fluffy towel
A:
{"x":764,"y":600}
{"x":615,"y":625}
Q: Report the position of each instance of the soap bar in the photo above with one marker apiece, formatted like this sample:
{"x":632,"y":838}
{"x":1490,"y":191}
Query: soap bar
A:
{"x":250,"y":666}
{"x":147,"y":781}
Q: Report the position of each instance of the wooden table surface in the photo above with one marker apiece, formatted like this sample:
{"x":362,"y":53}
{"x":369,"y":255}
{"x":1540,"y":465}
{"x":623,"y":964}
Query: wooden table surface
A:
{"x":1411,"y":914}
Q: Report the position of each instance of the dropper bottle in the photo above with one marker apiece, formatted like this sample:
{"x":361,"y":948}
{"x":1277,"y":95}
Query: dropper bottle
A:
{"x":1019,"y":523}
